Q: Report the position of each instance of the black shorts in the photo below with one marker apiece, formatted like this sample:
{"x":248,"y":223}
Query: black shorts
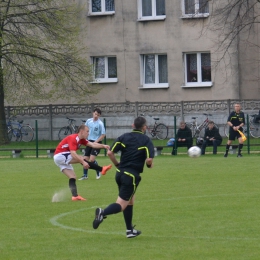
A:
{"x":91,"y":151}
{"x":127,"y":184}
{"x":233,"y":134}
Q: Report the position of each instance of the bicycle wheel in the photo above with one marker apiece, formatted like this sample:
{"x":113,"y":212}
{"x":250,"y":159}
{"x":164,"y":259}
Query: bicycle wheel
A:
{"x":161,"y":131}
{"x":254,"y":130}
{"x":64,"y":131}
{"x":190,"y":125}
{"x":14,"y":135}
{"x":27,"y":133}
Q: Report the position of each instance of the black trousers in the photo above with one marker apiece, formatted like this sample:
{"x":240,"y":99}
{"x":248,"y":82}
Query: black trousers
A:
{"x":181,"y":144}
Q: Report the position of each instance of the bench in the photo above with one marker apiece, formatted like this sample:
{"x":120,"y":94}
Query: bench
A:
{"x":17,"y":152}
{"x":232,"y":148}
{"x":158,"y":150}
{"x":50,"y":153}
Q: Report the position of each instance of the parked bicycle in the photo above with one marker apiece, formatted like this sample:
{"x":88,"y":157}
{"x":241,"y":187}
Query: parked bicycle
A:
{"x":158,"y":130}
{"x":254,"y":127}
{"x":198,"y":130}
{"x":69,"y":129}
{"x":17,"y":131}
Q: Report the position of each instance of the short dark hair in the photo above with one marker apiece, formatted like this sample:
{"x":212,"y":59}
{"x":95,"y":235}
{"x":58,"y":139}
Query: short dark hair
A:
{"x":81,"y":127}
{"x":139,"y":122}
{"x":211,"y":122}
{"x":96,"y":109}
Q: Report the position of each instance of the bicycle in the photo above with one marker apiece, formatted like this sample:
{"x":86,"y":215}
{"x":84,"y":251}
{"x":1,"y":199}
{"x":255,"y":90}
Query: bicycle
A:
{"x":254,"y":127}
{"x":158,"y":130}
{"x":18,"y":132}
{"x":69,"y":129}
{"x":198,"y":130}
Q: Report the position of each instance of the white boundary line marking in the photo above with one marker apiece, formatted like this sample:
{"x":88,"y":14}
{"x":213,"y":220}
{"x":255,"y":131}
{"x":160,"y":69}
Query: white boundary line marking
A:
{"x":54,"y":222}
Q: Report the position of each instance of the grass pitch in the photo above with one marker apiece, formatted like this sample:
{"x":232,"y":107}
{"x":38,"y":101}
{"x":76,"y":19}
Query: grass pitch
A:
{"x":204,"y":208}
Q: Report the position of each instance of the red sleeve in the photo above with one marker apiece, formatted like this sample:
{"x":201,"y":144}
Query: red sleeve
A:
{"x":85,"y":142}
{"x":72,"y":142}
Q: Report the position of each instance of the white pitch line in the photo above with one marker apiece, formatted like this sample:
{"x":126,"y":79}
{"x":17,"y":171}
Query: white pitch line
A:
{"x":54,"y":221}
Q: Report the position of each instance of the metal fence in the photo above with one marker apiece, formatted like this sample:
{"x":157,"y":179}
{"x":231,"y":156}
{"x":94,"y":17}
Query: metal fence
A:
{"x":40,"y":147}
{"x":120,"y":116}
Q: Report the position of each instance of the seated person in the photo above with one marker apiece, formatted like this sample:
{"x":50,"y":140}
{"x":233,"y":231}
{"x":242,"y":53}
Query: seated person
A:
{"x":211,"y":138}
{"x":183,"y":137}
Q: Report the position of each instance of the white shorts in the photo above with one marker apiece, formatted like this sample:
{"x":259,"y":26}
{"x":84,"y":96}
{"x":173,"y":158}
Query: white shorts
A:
{"x":62,"y":160}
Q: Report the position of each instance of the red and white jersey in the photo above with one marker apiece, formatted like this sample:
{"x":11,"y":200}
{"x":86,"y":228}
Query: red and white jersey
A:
{"x":70,"y":143}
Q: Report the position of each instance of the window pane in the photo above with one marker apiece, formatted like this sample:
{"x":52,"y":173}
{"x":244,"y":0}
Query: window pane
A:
{"x":163,"y":70}
{"x":112,"y":71}
{"x":100,"y":67}
{"x":189,"y":6}
{"x":146,"y":7}
{"x":96,"y":5}
{"x":205,"y":67}
{"x":110,"y":6}
{"x":149,"y":69}
{"x":204,"y":6}
{"x":191,"y":63}
{"x":160,"y":7}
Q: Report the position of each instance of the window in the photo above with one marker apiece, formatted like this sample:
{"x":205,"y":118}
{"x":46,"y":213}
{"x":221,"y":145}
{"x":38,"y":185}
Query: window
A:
{"x":195,"y":8}
{"x":151,"y":10}
{"x":197,"y":70}
{"x":105,"y":69}
{"x":154,"y":71}
{"x":101,"y":7}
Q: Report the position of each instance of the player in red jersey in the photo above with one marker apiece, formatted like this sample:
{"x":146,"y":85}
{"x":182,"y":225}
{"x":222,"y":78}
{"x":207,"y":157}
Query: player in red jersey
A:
{"x":65,"y":155}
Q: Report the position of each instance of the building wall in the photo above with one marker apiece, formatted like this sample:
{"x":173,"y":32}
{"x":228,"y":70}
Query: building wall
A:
{"x":126,"y":38}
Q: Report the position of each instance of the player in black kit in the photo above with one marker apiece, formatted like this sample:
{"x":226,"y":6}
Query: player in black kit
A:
{"x":236,"y":120}
{"x":136,"y":150}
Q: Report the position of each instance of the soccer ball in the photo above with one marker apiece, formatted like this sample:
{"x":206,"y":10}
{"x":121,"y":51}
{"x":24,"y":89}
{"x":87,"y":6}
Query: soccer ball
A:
{"x":194,"y":151}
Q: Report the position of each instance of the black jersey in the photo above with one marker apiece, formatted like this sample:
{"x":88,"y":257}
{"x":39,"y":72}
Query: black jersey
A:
{"x":135,"y":147}
{"x":236,"y":118}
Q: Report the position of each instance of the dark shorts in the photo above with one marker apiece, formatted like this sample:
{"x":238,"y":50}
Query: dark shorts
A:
{"x":127,"y":184}
{"x":91,"y":151}
{"x":233,"y":135}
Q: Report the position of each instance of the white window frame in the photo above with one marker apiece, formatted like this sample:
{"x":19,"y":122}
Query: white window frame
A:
{"x":196,"y":14}
{"x":143,"y":85}
{"x":149,"y":18}
{"x":199,"y":82}
{"x":103,"y":9}
{"x":106,"y":79}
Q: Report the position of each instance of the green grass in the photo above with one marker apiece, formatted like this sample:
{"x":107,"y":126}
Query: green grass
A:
{"x":204,"y":208}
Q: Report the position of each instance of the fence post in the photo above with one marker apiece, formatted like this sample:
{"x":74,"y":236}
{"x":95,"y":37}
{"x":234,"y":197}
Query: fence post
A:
{"x":105,"y":138}
{"x":182,"y":112}
{"x":248,"y":134}
{"x":8,"y":111}
{"x":36,"y":139}
{"x":175,"y":142}
{"x":136,"y":109}
{"x":228,"y":106}
{"x":50,"y":122}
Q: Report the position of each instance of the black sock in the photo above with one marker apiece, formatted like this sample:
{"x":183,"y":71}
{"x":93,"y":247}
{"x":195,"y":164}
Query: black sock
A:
{"x":240,"y":148}
{"x":85,"y":172}
{"x":97,"y":164}
{"x":73,"y":187}
{"x":112,"y":209}
{"x":227,"y":148}
{"x":93,"y":165}
{"x":128,"y":215}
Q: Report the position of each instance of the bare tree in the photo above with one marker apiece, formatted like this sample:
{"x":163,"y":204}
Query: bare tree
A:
{"x":231,"y":19}
{"x":41,"y":54}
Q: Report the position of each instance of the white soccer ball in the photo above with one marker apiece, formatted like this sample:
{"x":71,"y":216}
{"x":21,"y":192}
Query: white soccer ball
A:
{"x":194,"y":151}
